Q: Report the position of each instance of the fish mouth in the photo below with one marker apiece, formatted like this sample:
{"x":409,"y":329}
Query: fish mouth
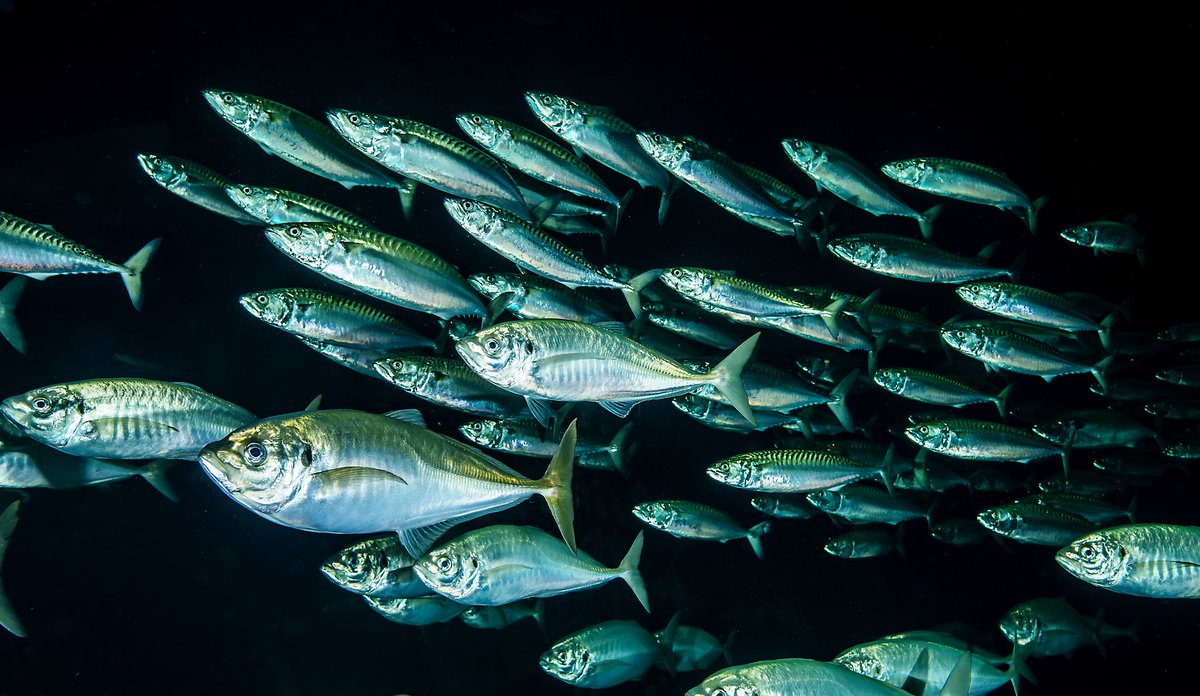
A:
{"x":210,"y":461}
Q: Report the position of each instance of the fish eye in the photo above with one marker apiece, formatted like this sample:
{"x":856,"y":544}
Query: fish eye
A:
{"x":254,"y":453}
{"x":547,"y":101}
{"x":355,"y":563}
{"x":492,"y":345}
{"x":467,"y":205}
{"x":41,"y":404}
{"x":1088,"y":553}
{"x":247,"y":190}
{"x":720,"y":692}
{"x":227,"y":98}
{"x":353,"y":118}
{"x":924,"y":429}
{"x":676,"y":272}
{"x":261,"y":299}
{"x":476,"y":119}
{"x":529,"y":347}
{"x":294,"y":231}
{"x":444,"y":564}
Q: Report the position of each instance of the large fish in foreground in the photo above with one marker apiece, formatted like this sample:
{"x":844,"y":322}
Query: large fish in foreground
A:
{"x":40,"y":252}
{"x":791,"y":677}
{"x":125,"y":418}
{"x":350,"y":472}
{"x":8,"y":615}
{"x":561,"y":360}
{"x":1146,"y":560}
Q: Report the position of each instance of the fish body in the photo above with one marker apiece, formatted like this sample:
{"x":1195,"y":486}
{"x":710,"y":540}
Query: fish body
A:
{"x":911,"y":259}
{"x":936,"y":388}
{"x":1028,"y":304}
{"x":959,"y":531}
{"x":8,"y":615}
{"x":125,"y":418}
{"x":790,"y":471}
{"x":791,"y":677}
{"x":361,"y":360}
{"x":378,"y":566}
{"x":431,"y":157}
{"x":51,"y":469}
{"x":721,"y":416}
{"x":686,"y":519}
{"x":502,"y":564}
{"x":964,"y":181}
{"x":894,"y":661}
{"x":861,"y":543}
{"x":859,"y":503}
{"x":40,"y":252}
{"x":279,"y":207}
{"x":603,"y":655}
{"x":744,"y":300}
{"x":528,"y":439}
{"x":502,"y":616}
{"x":1034,"y":524}
{"x":530,"y":296}
{"x":350,"y":472}
{"x":196,"y":184}
{"x":1145,"y":560}
{"x":691,"y":647}
{"x":772,"y":389}
{"x":1045,"y":627}
{"x":967,"y":438}
{"x":783,"y":508}
{"x":692,"y":324}
{"x":379,"y":265}
{"x":415,"y":611}
{"x":1093,"y":429}
{"x":1000,"y":348}
{"x":330,"y":317}
{"x":450,"y":383}
{"x":1106,"y":236}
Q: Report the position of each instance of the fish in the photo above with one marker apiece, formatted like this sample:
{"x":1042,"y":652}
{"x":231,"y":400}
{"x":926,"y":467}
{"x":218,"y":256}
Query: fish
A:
{"x":1145,"y":560}
{"x":448,"y":382}
{"x":430,"y":156}
{"x":769,"y":388}
{"x":836,"y":171}
{"x":341,"y":471}
{"x":685,"y":519}
{"x":194,"y":183}
{"x":560,"y":360}
{"x":1108,"y":237}
{"x":791,"y":471}
{"x":9,"y":296}
{"x":378,"y":567}
{"x":1182,"y":375}
{"x":1033,"y":305}
{"x":692,"y":647}
{"x":361,"y":360}
{"x":48,"y":468}
{"x":1000,"y":348}
{"x":40,"y":252}
{"x":331,"y":317}
{"x":531,"y":249}
{"x":502,"y":564}
{"x":937,"y":388}
{"x":379,"y":265}
{"x":1045,"y":626}
{"x":279,"y":207}
{"x":8,"y":614}
{"x":895,"y":661}
{"x":862,"y":543}
{"x":528,"y":439}
{"x":1183,"y":332}
{"x":791,"y":677}
{"x":783,"y":508}
{"x":124,"y":418}
{"x":603,"y":655}
{"x":692,"y":324}
{"x":503,"y":616}
{"x":980,"y":440}
{"x":416,"y":611}
{"x":1090,"y":428}
{"x":305,"y":142}
{"x":860,"y":503}
{"x":530,"y":296}
{"x":965,"y":181}
{"x":722,"y":416}
{"x":1034,"y":524}
{"x":959,"y":531}
{"x":913,"y":259}
{"x":603,"y":136}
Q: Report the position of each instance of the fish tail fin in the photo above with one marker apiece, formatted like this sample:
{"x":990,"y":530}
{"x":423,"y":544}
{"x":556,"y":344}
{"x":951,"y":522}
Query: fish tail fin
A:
{"x":408,"y":193}
{"x":556,"y":487}
{"x":727,"y":377}
{"x":9,"y":297}
{"x":1014,"y":271}
{"x":837,"y":403}
{"x":628,"y":570}
{"x":754,"y":536}
{"x":1017,"y":669}
{"x":8,"y":615}
{"x":539,"y":614}
{"x":864,"y":310}
{"x":830,"y":314}
{"x":1098,"y":371}
{"x":132,"y":275}
{"x":155,"y":474}
{"x":496,"y":307}
{"x":926,"y":221}
{"x":666,"y":640}
{"x":613,"y":217}
{"x":665,"y":201}
{"x":727,"y":645}
{"x":634,"y":287}
{"x":1001,"y":401}
{"x":617,"y":449}
{"x":886,"y":471}
{"x":1105,"y":331}
{"x":1034,"y":209}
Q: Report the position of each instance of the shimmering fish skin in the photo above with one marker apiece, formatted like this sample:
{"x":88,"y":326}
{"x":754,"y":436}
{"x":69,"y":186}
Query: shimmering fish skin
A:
{"x":379,"y":567}
{"x":385,"y":267}
{"x":1003,"y":348}
{"x":277,"y":207}
{"x":789,"y":471}
{"x":892,"y":661}
{"x":791,"y":677}
{"x":415,"y":611}
{"x":1106,"y":236}
{"x":530,"y":296}
{"x":686,"y":519}
{"x":967,"y":438}
{"x":330,"y":317}
{"x":845,"y":177}
{"x":125,"y":418}
{"x":910,"y":259}
{"x":1034,"y":524}
{"x":194,"y":183}
{"x":934,"y":388}
{"x":1028,"y":304}
{"x":450,"y":383}
{"x":1144,"y":560}
{"x":603,"y":655}
{"x":861,"y":543}
{"x":963,"y":181}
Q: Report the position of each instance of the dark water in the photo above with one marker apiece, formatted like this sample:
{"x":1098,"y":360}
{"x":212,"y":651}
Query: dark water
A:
{"x":123,"y":592}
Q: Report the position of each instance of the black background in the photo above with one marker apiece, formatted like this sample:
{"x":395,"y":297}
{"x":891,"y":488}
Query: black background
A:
{"x":123,"y":592}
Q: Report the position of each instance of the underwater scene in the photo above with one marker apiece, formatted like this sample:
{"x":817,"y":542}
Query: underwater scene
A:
{"x":374,"y":349}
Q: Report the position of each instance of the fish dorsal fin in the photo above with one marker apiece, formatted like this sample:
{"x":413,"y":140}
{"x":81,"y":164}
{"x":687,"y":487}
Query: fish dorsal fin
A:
{"x":418,"y":540}
{"x":189,"y":385}
{"x":408,"y":415}
{"x":314,"y":404}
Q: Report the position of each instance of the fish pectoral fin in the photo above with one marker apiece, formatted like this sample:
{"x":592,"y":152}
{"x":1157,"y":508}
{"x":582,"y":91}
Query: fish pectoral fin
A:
{"x":418,"y":540}
{"x":562,"y":358}
{"x":357,"y":475}
{"x":620,"y":409}
{"x":540,"y":408}
{"x":498,"y":573}
{"x":40,"y":276}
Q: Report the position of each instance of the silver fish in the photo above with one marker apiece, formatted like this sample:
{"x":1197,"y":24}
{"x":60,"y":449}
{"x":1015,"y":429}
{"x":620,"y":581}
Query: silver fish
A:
{"x":379,"y":567}
{"x":1145,"y":560}
{"x":895,"y":661}
{"x":1107,"y":237}
{"x":450,"y":383}
{"x":973,"y":439}
{"x":965,"y":181}
{"x":279,"y":207}
{"x":502,"y":564}
{"x":722,"y":416}
{"x":783,"y":508}
{"x":51,"y":469}
{"x":860,"y":503}
{"x":40,"y":252}
{"x":1034,"y":524}
{"x":685,"y":519}
{"x":385,"y":267}
{"x":911,"y":259}
{"x":8,"y":615}
{"x":692,"y":647}
{"x":862,"y":543}
{"x":530,"y":296}
{"x":937,"y":388}
{"x":791,"y":677}
{"x":1045,"y":627}
{"x":528,"y":439}
{"x":1033,"y":305}
{"x":350,"y":472}
{"x":1000,"y":348}
{"x":9,"y":296}
{"x":415,"y":611}
{"x":194,"y":183}
{"x":125,"y":418}
{"x":330,"y":317}
{"x":503,"y":616}
{"x":603,"y":655}
{"x":791,"y":471}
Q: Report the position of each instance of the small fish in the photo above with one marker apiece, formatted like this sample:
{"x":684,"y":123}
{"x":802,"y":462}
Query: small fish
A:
{"x":959,"y":531}
{"x":9,"y":296}
{"x":1045,"y":627}
{"x":769,"y":388}
{"x":1032,"y":305}
{"x":783,"y":508}
{"x":692,"y":647}
{"x":528,"y":439}
{"x":603,"y":655}
{"x":385,"y":267}
{"x":965,"y":181}
{"x":860,"y":503}
{"x":791,"y":471}
{"x":1182,"y":375}
{"x":361,"y":360}
{"x":862,"y":543}
{"x":531,"y":296}
{"x":971,"y":439}
{"x":279,"y":207}
{"x":502,"y":616}
{"x":125,"y":418}
{"x":722,"y":416}
{"x":48,"y":468}
{"x":305,"y":142}
{"x":502,"y":564}
{"x":912,"y":259}
{"x":379,"y":567}
{"x":40,"y":252}
{"x":1091,"y":508}
{"x":1093,"y":429}
{"x":791,"y":677}
{"x":560,"y":360}
{"x":329,"y":317}
{"x":1185,"y":332}
{"x":416,"y":611}
{"x":8,"y":615}
{"x":692,"y":324}
{"x":195,"y":184}
{"x":1034,"y":524}
{"x":1000,"y":348}
{"x":1145,"y":560}
{"x":685,"y":519}
{"x":448,"y":382}
{"x":1107,"y":237}
{"x":937,"y":388}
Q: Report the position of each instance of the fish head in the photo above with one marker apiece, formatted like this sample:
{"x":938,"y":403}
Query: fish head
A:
{"x":739,"y":472}
{"x":999,"y":519}
{"x":943,"y":532}
{"x":985,"y":296}
{"x":861,"y":252}
{"x":969,"y":340}
{"x":1083,"y":235}
{"x":695,"y":406}
{"x":493,"y":284}
{"x":1171,"y":375}
{"x":694,"y":283}
{"x":1058,"y":430}
{"x":54,"y":415}
{"x":408,"y":373}
{"x":371,"y":134}
{"x":457,"y":329}
{"x":262,"y":465}
{"x":660,"y":514}
{"x":934,"y":435}
{"x":842,"y":548}
{"x":731,"y":681}
{"x":864,"y":660}
{"x":311,"y":244}
{"x":161,"y":169}
{"x":361,"y":568}
{"x":274,"y":307}
{"x":619,"y":271}
{"x":1021,"y":625}
{"x":255,"y":200}
{"x":485,"y":433}
{"x":825,"y":501}
{"x":501,"y":353}
{"x":243,"y":111}
{"x":555,"y":112}
{"x":488,"y":131}
{"x":765,"y":505}
{"x":804,"y":154}
{"x":1096,"y":558}
{"x":667,"y":151}
{"x":910,"y":172}
{"x":478,"y":219}
{"x":454,"y":570}
{"x":481,"y":617}
{"x":568,"y":660}
{"x":891,"y":379}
